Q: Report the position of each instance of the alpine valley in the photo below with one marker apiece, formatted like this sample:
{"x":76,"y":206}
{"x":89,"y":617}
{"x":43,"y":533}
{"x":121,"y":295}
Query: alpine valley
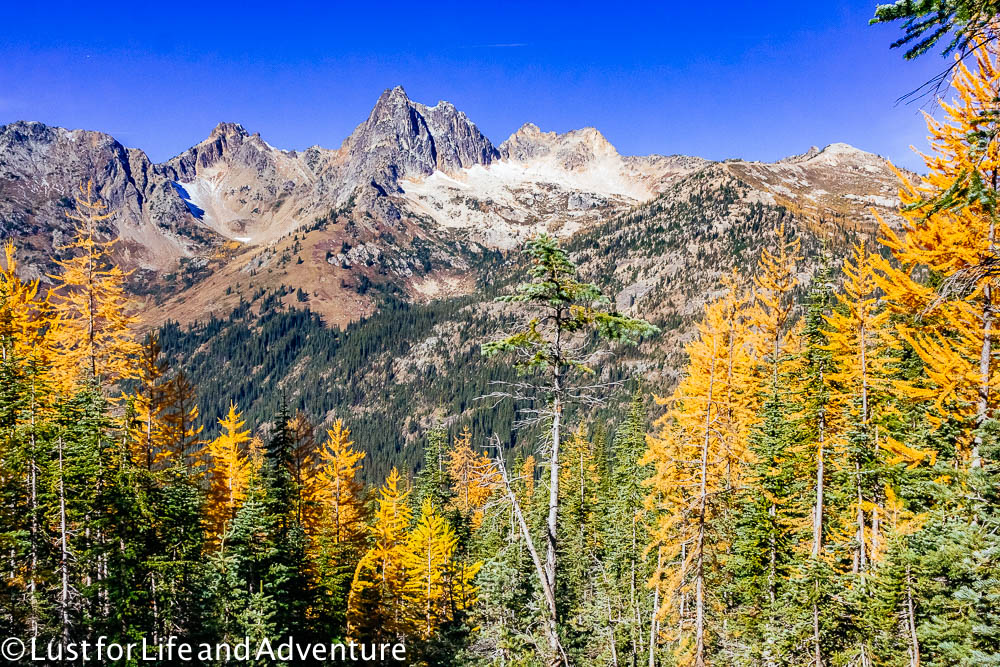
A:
{"x":369,"y":271}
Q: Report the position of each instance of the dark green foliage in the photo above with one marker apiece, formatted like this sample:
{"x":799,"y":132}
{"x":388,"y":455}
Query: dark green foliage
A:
{"x":433,"y":483}
{"x":926,"y":22}
{"x":765,"y":538}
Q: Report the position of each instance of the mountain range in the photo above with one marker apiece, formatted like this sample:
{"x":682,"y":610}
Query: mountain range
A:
{"x":418,"y":206}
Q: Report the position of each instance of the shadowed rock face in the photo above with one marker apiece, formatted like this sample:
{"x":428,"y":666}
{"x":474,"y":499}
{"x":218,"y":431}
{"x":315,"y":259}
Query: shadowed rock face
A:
{"x":404,"y":139}
{"x":41,"y":168}
{"x":258,"y":192}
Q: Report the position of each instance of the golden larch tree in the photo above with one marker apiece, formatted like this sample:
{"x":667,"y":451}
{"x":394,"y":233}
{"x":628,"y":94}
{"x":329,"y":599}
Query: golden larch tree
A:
{"x":472,"y":478}
{"x":95,"y":338}
{"x":773,"y":338}
{"x":432,"y":578}
{"x":26,"y":322}
{"x":338,"y":489}
{"x":375,"y":607}
{"x":696,"y":455}
{"x":229,"y":470}
{"x":949,"y":230}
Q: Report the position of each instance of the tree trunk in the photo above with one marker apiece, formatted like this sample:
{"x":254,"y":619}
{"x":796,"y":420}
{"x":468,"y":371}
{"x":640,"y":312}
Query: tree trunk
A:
{"x":817,"y":544}
{"x":548,"y":592}
{"x":64,"y":552}
{"x":653,"y":622}
{"x":699,"y":587}
{"x":33,"y":493}
{"x":682,"y":607}
{"x":985,"y":354}
{"x":553,"y":515}
{"x":911,"y":623}
{"x":859,"y":563}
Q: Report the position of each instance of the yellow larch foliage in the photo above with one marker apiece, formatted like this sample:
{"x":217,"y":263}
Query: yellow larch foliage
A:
{"x":437,"y":585}
{"x":255,"y":454}
{"x":338,"y":489}
{"x":859,"y":336}
{"x":229,"y":470}
{"x":697,"y":452}
{"x":949,"y":231}
{"x":730,"y":318}
{"x":95,"y":340}
{"x":528,"y":479}
{"x":672,"y":490}
{"x":860,"y":339}
{"x":773,"y":340}
{"x":578,"y":483}
{"x":375,"y":606}
{"x":25,"y":317}
{"x":472,"y":476}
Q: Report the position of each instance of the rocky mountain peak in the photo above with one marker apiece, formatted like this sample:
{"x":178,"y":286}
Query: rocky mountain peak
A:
{"x":227,"y":142}
{"x":571,"y":150}
{"x":832,"y":154}
{"x":402,"y":138}
{"x":227,"y":130}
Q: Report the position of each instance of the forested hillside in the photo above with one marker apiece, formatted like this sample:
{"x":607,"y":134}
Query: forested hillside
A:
{"x":408,"y":365}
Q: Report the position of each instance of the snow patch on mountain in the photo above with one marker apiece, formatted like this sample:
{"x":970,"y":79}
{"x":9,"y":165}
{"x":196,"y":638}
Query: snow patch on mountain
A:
{"x":203,"y":198}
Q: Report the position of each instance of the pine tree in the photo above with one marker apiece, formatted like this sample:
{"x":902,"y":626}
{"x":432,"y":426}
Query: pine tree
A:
{"x":304,"y":476}
{"x":625,"y":524}
{"x":149,"y":428}
{"x":285,"y":577}
{"x":181,"y":433}
{"x":434,"y":482}
{"x":560,"y":307}
{"x":579,"y":533}
{"x":820,"y":423}
{"x":771,"y":523}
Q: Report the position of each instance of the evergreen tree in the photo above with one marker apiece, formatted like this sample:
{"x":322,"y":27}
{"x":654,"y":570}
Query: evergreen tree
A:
{"x":559,"y":307}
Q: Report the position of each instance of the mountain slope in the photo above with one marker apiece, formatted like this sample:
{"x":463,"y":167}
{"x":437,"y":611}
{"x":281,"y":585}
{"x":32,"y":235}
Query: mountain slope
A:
{"x":360,"y":279}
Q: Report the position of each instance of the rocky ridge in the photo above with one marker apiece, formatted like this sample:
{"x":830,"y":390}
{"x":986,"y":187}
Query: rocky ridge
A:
{"x":414,"y":199}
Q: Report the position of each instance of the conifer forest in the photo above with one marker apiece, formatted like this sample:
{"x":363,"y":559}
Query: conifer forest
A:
{"x":816,"y":483}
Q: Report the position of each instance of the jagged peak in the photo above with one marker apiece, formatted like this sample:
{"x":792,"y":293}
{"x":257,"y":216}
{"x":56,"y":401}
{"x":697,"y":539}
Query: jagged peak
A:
{"x":444,"y":105}
{"x":395,"y":94}
{"x":228,"y":130}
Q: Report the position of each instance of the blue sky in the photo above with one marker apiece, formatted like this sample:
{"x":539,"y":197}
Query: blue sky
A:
{"x":714,"y":79}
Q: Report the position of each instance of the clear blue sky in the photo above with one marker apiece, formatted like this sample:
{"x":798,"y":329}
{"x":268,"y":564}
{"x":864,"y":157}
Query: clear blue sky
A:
{"x":715,"y":79}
